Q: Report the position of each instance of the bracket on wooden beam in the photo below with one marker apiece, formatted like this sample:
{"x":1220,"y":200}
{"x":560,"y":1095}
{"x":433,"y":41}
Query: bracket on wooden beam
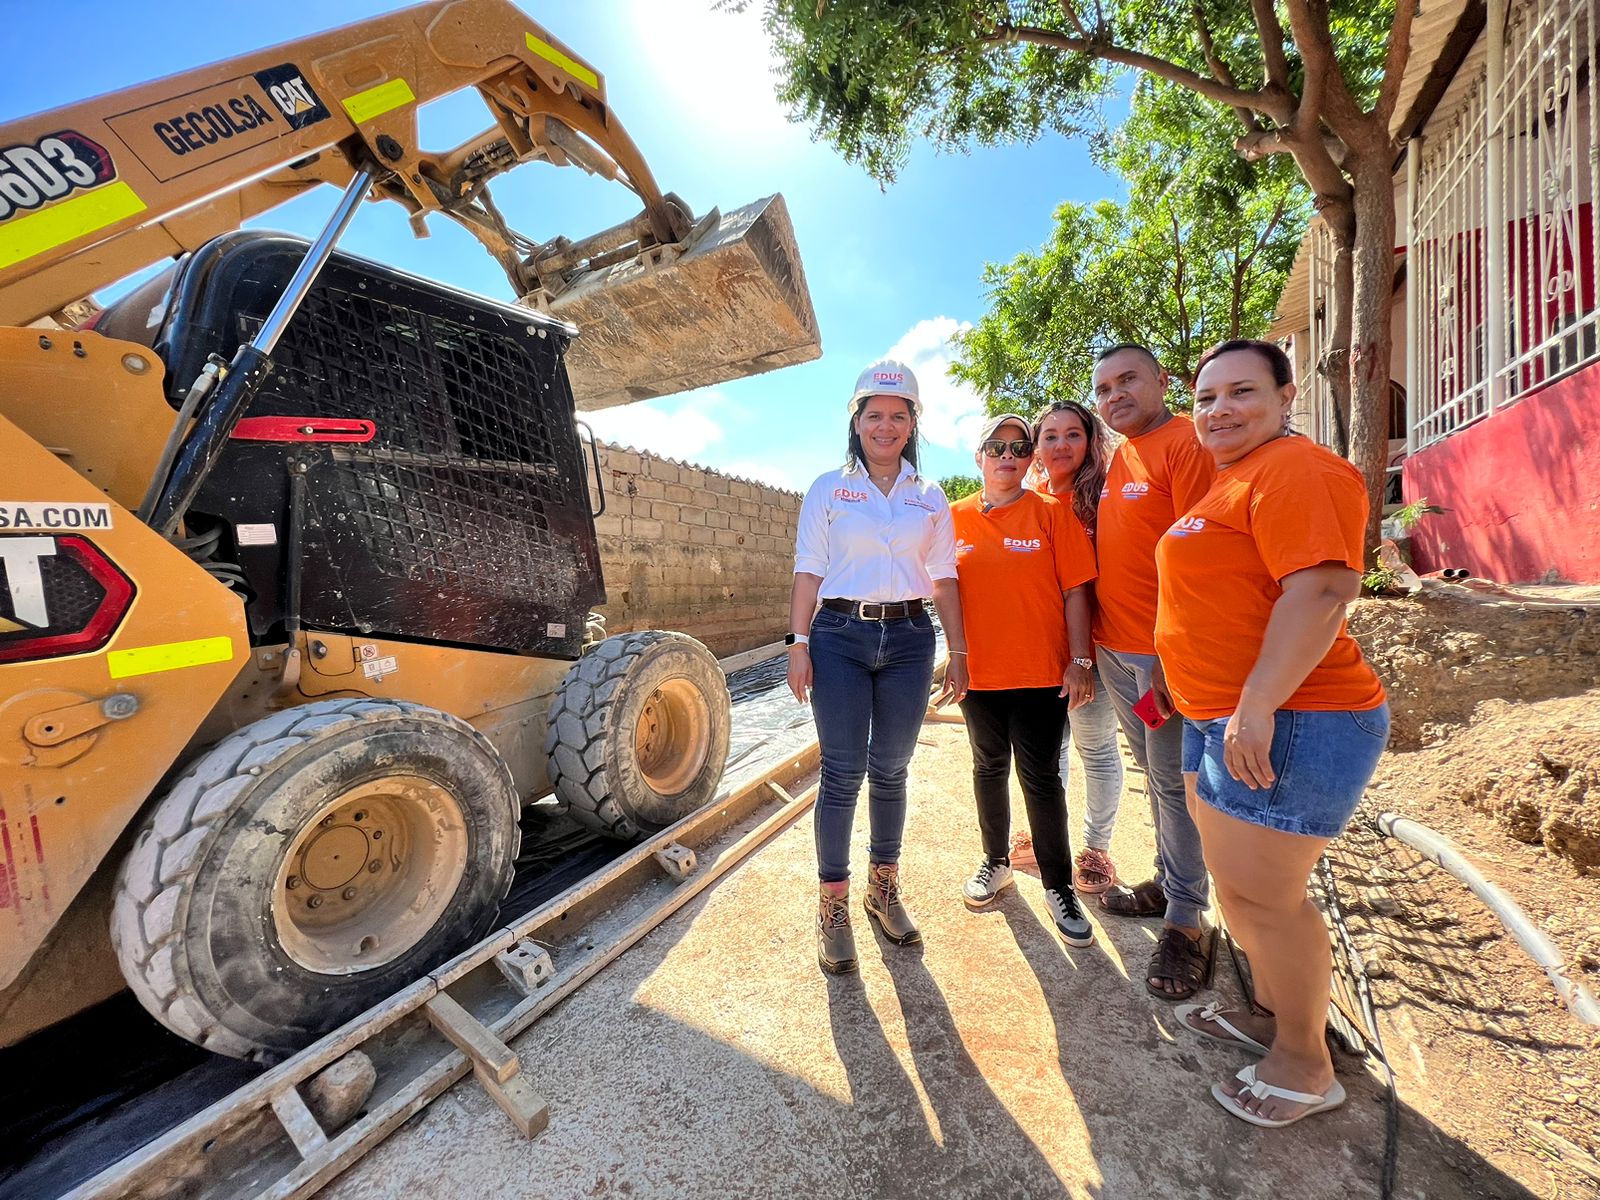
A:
{"x":677,"y":860}
{"x":527,"y":965}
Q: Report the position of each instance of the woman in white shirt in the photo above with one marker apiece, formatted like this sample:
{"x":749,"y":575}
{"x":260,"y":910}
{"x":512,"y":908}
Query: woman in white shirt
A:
{"x":874,"y":545}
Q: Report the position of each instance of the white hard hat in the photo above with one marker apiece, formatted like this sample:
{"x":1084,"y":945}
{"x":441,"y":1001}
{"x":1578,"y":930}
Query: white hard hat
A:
{"x":887,"y":377}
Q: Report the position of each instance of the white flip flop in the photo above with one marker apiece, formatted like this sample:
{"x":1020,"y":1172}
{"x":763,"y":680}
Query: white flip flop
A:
{"x":1213,"y":1012}
{"x":1330,"y":1099}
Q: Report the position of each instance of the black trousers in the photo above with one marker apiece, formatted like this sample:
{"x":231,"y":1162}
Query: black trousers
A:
{"x":1027,"y":723}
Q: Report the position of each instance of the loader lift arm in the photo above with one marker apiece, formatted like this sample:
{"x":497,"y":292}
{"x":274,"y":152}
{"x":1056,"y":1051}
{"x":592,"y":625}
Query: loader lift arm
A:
{"x":92,"y":192}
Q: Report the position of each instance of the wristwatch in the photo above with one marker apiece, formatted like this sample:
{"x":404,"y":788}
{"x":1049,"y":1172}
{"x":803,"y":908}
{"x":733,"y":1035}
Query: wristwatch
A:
{"x":1086,"y":663}
{"x":796,"y":639}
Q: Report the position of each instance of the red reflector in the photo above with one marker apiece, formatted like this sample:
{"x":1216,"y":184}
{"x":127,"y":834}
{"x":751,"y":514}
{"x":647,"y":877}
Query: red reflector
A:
{"x":303,"y":429}
{"x":89,"y":630}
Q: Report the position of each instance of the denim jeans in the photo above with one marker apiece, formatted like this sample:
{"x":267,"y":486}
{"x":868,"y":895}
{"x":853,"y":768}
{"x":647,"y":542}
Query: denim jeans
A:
{"x":869,"y":691}
{"x":1180,"y":863}
{"x":1321,"y":765}
{"x":1026,"y":723}
{"x":1093,"y":729}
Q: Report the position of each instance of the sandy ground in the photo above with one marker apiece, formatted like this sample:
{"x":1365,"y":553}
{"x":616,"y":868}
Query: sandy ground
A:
{"x":714,"y":1059}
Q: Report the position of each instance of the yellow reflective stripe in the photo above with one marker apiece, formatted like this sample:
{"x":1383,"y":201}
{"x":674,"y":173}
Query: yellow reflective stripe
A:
{"x":570,"y":65}
{"x":147,"y":660}
{"x":23,"y":237}
{"x":376,"y":101}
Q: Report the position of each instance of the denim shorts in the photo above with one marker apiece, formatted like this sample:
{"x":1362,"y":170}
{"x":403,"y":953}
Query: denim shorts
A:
{"x":1322,"y":762}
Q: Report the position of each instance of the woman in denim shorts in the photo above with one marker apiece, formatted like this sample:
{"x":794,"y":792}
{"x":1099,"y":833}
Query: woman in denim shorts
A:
{"x":1284,"y":721}
{"x":874,"y":544}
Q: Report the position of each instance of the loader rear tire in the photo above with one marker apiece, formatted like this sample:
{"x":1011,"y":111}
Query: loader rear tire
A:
{"x":638,"y":733}
{"x":309,"y":865}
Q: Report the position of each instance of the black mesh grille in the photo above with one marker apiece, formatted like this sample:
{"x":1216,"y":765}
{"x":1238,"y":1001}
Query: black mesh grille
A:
{"x":71,"y":596}
{"x":466,"y":517}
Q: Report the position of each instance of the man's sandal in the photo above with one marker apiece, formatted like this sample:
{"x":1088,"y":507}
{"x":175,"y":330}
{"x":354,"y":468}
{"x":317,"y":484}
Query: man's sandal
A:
{"x":1330,"y":1099}
{"x":1182,"y":960}
{"x":1141,"y":900}
{"x":1189,"y":1014}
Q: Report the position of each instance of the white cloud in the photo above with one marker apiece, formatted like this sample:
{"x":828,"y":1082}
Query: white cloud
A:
{"x":950,"y":410}
{"x":687,"y":433}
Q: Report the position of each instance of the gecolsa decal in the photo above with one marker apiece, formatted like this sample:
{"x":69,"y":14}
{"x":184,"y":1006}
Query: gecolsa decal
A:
{"x":186,"y":133}
{"x":199,"y":128}
{"x":35,"y":173}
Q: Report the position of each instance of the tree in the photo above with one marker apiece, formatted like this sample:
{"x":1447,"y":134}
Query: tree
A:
{"x":957,"y":486}
{"x":1198,"y":253}
{"x":1314,"y":80}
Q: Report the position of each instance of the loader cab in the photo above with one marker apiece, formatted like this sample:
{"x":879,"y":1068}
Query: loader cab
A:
{"x":410,"y":468}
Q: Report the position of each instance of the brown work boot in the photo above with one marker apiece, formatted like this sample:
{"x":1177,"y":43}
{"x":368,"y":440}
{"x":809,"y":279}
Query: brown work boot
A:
{"x":883,"y":904}
{"x":836,"y":944}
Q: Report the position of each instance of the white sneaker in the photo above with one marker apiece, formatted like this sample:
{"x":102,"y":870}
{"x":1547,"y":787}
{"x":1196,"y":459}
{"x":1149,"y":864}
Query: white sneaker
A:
{"x":1071,"y":924}
{"x":986,"y":884}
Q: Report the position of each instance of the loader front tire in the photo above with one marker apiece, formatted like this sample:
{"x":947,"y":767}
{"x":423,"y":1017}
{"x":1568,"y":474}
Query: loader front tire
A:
{"x":309,"y":865}
{"x":638,"y":733}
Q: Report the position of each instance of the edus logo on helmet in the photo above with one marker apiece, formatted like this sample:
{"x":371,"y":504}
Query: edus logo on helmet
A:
{"x":896,"y":378}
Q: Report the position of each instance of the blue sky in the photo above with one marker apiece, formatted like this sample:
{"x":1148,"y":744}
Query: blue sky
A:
{"x":888,"y":270}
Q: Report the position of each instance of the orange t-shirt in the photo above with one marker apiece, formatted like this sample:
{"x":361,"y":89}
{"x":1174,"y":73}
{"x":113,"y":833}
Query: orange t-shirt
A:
{"x":1012,"y":566}
{"x":1285,"y":506}
{"x":1153,"y":479}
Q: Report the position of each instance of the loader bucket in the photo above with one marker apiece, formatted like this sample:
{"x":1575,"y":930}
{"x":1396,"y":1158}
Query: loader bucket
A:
{"x":733,"y":302}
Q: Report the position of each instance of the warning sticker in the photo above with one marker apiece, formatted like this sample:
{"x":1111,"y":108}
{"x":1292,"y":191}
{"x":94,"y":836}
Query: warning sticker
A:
{"x":256,"y":535}
{"x":555,"y":629}
{"x":367,"y":651}
{"x":378,"y":668}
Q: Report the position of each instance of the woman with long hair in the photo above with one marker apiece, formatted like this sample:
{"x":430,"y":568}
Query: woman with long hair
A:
{"x":1071,"y":456}
{"x":1283,"y":720}
{"x":874,"y":545}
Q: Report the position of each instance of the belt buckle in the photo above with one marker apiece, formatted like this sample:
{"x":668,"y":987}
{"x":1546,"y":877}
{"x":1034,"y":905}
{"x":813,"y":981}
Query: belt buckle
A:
{"x":861,"y":610}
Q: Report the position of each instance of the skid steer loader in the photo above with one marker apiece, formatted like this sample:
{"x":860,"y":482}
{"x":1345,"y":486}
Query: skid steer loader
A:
{"x":298,"y":551}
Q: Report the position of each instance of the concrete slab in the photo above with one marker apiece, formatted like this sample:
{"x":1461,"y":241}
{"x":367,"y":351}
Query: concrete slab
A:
{"x":715,"y":1059}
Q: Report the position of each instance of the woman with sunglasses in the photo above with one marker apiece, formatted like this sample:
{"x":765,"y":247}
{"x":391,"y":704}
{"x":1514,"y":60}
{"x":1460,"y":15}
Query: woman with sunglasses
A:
{"x":874,"y":544}
{"x":1024,"y":565}
{"x":1071,"y":457}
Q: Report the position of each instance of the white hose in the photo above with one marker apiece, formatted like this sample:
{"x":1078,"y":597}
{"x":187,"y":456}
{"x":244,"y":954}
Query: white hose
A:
{"x":1440,"y":849}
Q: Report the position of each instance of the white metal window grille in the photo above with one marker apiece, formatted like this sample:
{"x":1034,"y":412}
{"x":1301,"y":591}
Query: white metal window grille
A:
{"x":1546,"y":126}
{"x":1446,"y":258}
{"x":1313,"y":413}
{"x":1502,"y":266}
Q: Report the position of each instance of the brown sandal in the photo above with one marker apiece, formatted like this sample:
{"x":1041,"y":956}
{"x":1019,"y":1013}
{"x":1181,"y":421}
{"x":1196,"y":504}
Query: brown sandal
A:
{"x":1141,"y":900}
{"x":1182,"y":960}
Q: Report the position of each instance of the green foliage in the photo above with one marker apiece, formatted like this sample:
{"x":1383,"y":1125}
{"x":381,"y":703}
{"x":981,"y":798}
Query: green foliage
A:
{"x":957,"y":486}
{"x":1199,"y":252}
{"x":1380,"y":580}
{"x":1410,"y":516}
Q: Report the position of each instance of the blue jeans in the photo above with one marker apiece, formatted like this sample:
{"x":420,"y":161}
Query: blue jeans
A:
{"x":869,"y":690}
{"x":1321,"y":763}
{"x":1180,"y":863}
{"x":1094,"y":735}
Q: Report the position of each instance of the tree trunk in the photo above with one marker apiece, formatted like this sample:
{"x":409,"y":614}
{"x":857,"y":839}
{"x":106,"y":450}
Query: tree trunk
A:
{"x":1370,"y":337}
{"x":1340,"y":218}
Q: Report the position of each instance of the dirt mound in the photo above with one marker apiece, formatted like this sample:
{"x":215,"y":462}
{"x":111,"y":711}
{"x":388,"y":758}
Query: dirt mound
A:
{"x":1534,"y":767}
{"x":1445,"y":652}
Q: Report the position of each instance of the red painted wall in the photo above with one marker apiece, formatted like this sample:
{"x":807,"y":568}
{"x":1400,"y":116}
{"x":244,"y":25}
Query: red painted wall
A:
{"x":1522,"y":487}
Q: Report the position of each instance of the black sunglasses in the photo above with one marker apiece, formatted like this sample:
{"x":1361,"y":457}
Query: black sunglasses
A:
{"x":1019,"y":447}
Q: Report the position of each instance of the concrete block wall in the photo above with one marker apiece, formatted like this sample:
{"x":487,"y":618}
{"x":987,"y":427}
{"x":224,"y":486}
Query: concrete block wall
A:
{"x":689,"y":549}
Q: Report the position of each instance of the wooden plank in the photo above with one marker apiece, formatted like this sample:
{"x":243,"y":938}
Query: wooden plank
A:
{"x":519,"y":1100}
{"x":488,"y":1053}
{"x":308,"y":1137}
{"x":746,"y":658}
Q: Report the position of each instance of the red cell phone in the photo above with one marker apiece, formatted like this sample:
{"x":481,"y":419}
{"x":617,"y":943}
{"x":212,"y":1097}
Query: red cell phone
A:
{"x":1145,"y":708}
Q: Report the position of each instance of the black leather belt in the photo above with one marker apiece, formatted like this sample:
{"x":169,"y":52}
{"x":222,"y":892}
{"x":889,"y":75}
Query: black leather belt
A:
{"x":871,"y":610}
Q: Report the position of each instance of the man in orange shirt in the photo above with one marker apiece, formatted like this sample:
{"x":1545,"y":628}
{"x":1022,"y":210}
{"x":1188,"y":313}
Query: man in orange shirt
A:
{"x":1157,"y":474}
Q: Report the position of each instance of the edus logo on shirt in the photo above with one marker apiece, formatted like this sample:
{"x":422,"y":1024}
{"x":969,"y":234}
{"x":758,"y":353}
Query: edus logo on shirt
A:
{"x":1024,"y":545}
{"x":848,"y":496}
{"x":1184,"y":526}
{"x":1135,"y":491}
{"x":963,"y":547}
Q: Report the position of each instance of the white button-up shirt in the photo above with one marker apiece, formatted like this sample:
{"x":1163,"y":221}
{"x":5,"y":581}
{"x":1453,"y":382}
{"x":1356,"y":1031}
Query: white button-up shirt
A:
{"x":868,"y":546}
